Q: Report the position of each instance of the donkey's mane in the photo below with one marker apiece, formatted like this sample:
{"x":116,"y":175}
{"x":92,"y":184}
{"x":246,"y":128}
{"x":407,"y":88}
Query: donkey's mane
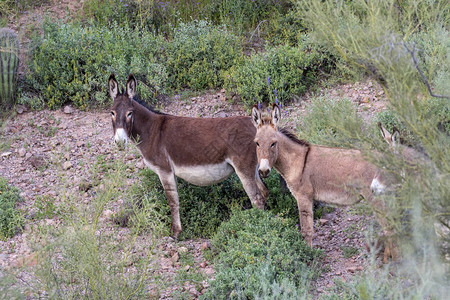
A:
{"x":292,"y":137}
{"x":143,"y":103}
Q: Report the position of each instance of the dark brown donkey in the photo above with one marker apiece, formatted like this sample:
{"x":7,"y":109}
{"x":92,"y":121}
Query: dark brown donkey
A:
{"x":202,"y":151}
{"x":331,"y":175}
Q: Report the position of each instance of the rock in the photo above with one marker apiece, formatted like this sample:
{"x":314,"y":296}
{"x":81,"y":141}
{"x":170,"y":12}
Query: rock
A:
{"x":67,"y":165}
{"x":49,"y":222}
{"x":80,"y":143}
{"x":28,"y":155}
{"x":182,"y":250}
{"x":187,"y":267}
{"x":22,"y":152}
{"x":323,"y":222}
{"x":68,"y":109}
{"x":108,"y":213}
{"x":175,"y":257}
{"x":84,"y":185}
{"x":5,"y":154}
{"x":203,"y":264}
{"x":365,"y":99}
{"x":21,"y":109}
{"x":353,"y":269}
{"x":193,"y":291}
{"x":205,"y":246}
{"x":140,"y":164}
{"x":222,"y":91}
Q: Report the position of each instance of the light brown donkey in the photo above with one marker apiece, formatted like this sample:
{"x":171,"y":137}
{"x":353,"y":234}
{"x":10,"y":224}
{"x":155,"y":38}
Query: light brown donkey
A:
{"x":331,"y":175}
{"x":202,"y":151}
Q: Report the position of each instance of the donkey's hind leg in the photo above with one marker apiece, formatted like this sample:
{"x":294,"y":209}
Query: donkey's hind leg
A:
{"x":170,"y":188}
{"x":255,"y":188}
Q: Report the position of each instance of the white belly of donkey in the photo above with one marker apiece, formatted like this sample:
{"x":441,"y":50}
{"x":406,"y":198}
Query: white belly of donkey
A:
{"x":204,"y":175}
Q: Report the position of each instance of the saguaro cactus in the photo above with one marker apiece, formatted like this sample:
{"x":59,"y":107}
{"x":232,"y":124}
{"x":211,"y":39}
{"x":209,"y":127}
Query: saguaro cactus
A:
{"x":9,"y":62}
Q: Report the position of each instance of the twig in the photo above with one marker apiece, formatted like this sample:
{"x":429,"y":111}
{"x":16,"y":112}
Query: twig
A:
{"x":416,"y":63}
{"x":254,"y":31}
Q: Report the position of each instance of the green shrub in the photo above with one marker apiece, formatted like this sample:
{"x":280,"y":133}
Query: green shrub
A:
{"x":330,"y":122}
{"x":11,"y":219}
{"x":254,"y":240}
{"x":72,"y":63}
{"x":200,"y":54}
{"x":109,"y":12}
{"x":280,"y":73}
{"x":239,"y":15}
{"x":202,"y":209}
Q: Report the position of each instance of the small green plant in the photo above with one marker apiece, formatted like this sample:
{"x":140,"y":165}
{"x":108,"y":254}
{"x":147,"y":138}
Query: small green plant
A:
{"x":255,"y":240}
{"x":11,"y":219}
{"x":280,"y":72}
{"x":349,"y":251}
{"x":45,"y":207}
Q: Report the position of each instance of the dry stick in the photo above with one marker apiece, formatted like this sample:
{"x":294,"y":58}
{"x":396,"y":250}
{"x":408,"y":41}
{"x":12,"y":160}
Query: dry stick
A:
{"x":412,"y":52}
{"x":254,"y":31}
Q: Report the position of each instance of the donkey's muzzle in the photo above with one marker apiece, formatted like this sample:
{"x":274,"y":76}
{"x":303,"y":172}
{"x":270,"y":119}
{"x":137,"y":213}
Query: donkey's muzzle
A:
{"x":264,"y":173}
{"x":120,"y":138}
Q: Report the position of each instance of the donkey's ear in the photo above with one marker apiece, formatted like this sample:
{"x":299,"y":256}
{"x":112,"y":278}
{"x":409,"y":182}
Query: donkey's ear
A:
{"x":386,"y":135}
{"x":276,"y":115}
{"x":113,"y":86}
{"x":131,"y":86}
{"x":256,"y":116}
{"x":395,"y":137}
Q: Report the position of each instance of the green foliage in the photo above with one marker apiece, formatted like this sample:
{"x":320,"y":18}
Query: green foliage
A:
{"x":280,"y":72}
{"x":45,"y":207}
{"x":84,"y":257}
{"x":245,"y":15}
{"x":200,"y":54}
{"x":11,"y":219}
{"x":9,"y":57}
{"x":330,"y":122}
{"x":202,"y":209}
{"x":288,"y":28}
{"x":255,"y":251}
{"x":73,"y":63}
{"x":382,"y":37}
{"x":109,"y":12}
{"x":160,"y":15}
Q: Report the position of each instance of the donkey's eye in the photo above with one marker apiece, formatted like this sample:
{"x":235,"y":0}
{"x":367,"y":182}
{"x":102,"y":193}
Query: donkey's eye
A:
{"x":113,"y":114}
{"x":129,"y":114}
{"x":273,"y":144}
{"x":257,"y":144}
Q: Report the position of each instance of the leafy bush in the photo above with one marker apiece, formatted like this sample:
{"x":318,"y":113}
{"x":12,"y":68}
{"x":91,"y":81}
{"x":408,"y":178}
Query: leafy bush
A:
{"x":202,"y":209}
{"x":330,"y":122}
{"x":159,"y":15}
{"x":280,"y":73}
{"x":11,"y":219}
{"x":200,"y":54}
{"x":252,"y":241}
{"x":72,"y":63}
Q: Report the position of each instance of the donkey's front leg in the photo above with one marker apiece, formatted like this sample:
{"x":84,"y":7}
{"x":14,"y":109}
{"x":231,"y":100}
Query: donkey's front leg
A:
{"x":305,"y":211}
{"x":170,"y":188}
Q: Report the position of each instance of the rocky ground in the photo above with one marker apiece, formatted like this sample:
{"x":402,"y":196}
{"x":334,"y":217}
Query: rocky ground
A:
{"x":47,"y":154}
